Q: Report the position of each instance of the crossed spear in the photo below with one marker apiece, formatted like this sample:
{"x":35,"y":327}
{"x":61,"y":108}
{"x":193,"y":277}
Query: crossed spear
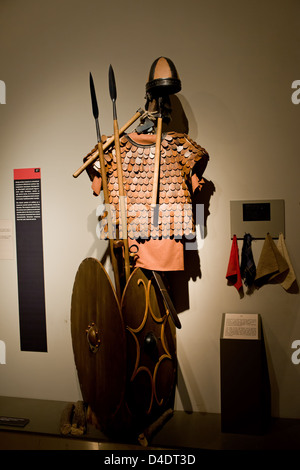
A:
{"x":122,"y":196}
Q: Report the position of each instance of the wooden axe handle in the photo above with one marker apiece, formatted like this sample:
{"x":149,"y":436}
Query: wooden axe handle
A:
{"x":95,"y":155}
{"x":145,"y":436}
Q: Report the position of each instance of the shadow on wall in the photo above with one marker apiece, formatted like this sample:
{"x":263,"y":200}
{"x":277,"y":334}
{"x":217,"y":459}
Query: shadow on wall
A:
{"x":178,"y":281}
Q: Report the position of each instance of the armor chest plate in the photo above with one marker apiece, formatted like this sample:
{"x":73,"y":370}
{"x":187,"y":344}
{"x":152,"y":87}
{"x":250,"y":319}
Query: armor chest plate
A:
{"x":179,"y":155}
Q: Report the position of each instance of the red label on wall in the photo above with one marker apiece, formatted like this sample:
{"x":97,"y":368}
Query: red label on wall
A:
{"x":27,"y":174}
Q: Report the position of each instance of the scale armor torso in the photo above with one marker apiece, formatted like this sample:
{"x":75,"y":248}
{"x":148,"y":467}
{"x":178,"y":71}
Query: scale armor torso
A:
{"x":180,"y":158}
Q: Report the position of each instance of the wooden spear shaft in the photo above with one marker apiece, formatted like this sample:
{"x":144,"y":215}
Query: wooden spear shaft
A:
{"x":157,"y":162}
{"x":109,"y":221}
{"x":122,"y":204}
{"x":105,"y":187}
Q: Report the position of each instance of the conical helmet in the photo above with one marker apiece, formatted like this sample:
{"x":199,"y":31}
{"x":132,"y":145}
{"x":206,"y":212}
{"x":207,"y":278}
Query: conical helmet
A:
{"x":163,"y":78}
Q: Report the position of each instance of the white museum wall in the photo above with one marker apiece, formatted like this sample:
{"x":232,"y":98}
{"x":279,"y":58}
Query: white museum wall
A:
{"x":237,"y":61}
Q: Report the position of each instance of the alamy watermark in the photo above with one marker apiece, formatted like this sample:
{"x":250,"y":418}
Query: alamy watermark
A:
{"x":2,"y":352}
{"x":296,"y":94}
{"x":296,"y":354}
{"x":143,"y":222}
{"x":2,"y":92}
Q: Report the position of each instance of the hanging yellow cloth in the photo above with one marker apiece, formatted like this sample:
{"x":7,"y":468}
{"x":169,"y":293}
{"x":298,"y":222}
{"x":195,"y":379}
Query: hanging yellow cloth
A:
{"x":272,"y":267}
{"x":290,"y":277}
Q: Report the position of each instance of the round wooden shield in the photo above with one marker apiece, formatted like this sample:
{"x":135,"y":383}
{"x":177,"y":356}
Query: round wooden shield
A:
{"x":151,"y":348}
{"x":98,"y":338}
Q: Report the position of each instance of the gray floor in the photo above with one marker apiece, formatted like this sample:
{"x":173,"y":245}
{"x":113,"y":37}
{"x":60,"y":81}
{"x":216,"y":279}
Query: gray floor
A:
{"x":201,"y":431}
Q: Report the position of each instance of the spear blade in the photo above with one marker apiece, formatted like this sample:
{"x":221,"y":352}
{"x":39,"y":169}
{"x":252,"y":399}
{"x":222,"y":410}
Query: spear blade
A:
{"x":95,"y":107}
{"x":94,"y":98}
{"x":112,"y":84}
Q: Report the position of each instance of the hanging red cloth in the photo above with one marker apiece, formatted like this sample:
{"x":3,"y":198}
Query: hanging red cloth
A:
{"x":233,"y":274}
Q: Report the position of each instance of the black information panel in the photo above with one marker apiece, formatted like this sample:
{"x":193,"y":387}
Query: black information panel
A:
{"x":30,"y":263}
{"x":257,"y":211}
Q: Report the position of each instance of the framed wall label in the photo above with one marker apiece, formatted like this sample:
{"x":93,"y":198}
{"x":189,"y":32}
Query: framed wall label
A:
{"x":257,"y":217}
{"x":240,"y":326}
